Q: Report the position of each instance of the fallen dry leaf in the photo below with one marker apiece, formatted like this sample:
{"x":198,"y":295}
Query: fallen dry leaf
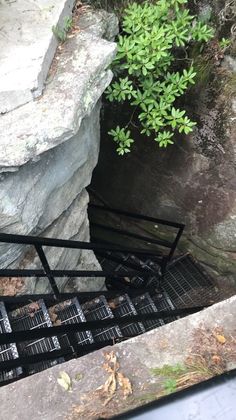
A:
{"x":220,"y":338}
{"x":112,"y":305}
{"x":34,"y":306}
{"x":53,"y":316}
{"x":125,"y":384}
{"x":108,"y":368}
{"x":64,"y":381}
{"x":109,"y":388}
{"x":10,"y":286}
{"x":112,"y":364}
{"x":78,"y":376}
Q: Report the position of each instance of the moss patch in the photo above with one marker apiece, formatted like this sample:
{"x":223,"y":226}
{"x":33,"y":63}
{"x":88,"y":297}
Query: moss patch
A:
{"x":168,"y":371}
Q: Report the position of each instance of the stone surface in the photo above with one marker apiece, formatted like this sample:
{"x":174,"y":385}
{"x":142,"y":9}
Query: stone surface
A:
{"x":38,"y":193}
{"x":43,"y":398}
{"x":49,"y":148}
{"x":71,"y":224}
{"x":101,"y":23}
{"x":27,"y":46}
{"x":79,"y":80}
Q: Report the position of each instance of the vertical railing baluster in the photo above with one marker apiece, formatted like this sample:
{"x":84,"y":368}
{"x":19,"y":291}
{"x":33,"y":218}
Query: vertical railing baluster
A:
{"x":47,"y":269}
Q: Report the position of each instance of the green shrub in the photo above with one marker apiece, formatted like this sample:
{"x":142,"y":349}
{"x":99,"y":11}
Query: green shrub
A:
{"x":152,"y":38}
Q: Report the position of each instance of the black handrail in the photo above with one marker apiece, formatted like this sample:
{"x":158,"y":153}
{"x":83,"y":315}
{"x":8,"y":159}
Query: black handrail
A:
{"x":160,"y":242}
{"x":19,"y":336}
{"x":163,"y":243}
{"x":40,"y":242}
{"x":138,"y":216}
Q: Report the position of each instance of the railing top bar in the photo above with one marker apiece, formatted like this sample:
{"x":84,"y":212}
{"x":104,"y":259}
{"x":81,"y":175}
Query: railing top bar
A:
{"x":82,"y":296}
{"x":138,"y":216}
{"x":73,"y":273}
{"x":161,"y":242}
{"x":67,"y":243}
{"x":18,"y":336}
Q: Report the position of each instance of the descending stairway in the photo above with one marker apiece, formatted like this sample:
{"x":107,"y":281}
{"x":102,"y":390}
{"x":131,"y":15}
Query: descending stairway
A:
{"x":146,"y":288}
{"x":175,"y":290}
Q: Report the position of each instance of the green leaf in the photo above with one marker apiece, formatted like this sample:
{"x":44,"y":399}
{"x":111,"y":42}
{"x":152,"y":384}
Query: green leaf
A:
{"x":144,"y":75}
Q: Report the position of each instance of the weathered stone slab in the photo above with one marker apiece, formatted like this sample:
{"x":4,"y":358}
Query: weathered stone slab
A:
{"x":35,"y":196}
{"x":43,"y":398}
{"x":49,"y":148}
{"x":27,"y":46}
{"x":80,"y":79}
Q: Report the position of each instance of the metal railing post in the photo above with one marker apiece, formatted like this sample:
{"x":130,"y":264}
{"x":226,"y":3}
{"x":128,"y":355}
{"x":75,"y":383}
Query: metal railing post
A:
{"x":47,"y":269}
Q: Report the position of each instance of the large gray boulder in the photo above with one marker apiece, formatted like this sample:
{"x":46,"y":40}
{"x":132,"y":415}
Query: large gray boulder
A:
{"x":80,"y":78}
{"x":49,"y":148}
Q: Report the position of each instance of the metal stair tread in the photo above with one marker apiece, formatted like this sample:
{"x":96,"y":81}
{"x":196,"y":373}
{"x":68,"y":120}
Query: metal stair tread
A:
{"x":132,"y":262}
{"x":28,"y":317}
{"x":181,"y":278}
{"x":7,"y":351}
{"x":144,"y":305}
{"x":98,"y":309}
{"x":69,"y":312}
{"x":164,"y":303}
{"x":122,"y":306}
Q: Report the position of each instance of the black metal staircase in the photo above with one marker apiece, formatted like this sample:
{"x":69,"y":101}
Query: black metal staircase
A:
{"x":146,"y":288}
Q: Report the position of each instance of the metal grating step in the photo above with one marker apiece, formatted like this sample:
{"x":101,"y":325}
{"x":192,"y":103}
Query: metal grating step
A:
{"x":185,"y":284}
{"x":152,"y":266}
{"x":7,"y":351}
{"x":164,"y":303}
{"x":122,"y":306}
{"x":116,"y":266}
{"x":70,"y":312}
{"x":145,"y":305}
{"x":133,"y":263}
{"x":29,"y":317}
{"x":98,"y":309}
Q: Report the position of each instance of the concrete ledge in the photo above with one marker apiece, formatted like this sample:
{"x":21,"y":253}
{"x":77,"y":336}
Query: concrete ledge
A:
{"x":41,"y":398}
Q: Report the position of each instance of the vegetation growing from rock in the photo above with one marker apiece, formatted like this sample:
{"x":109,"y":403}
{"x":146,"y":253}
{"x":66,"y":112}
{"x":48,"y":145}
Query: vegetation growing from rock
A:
{"x":61,"y":32}
{"x":153,"y":70}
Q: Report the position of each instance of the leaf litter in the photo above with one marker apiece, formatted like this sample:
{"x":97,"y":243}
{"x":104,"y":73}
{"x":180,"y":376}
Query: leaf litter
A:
{"x":115,"y":378}
{"x":212,"y":352}
{"x":101,"y":402}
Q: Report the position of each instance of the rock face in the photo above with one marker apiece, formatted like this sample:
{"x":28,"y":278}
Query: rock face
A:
{"x":193,"y":182}
{"x":49,"y":148}
{"x":27,"y":47}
